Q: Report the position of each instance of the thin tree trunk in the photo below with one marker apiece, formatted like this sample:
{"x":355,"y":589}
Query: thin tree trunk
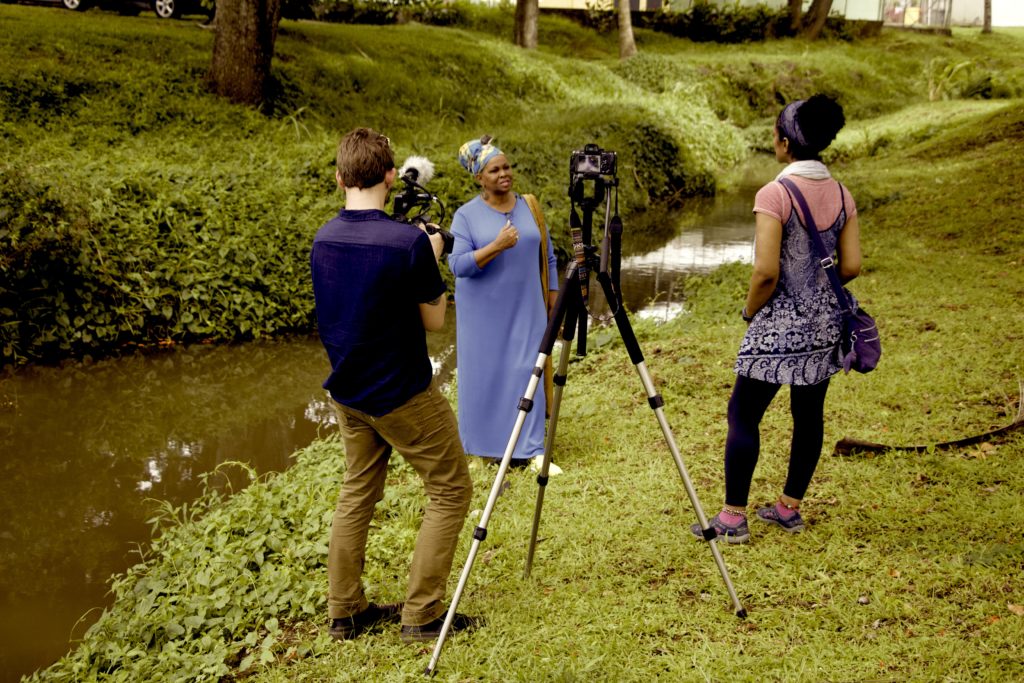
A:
{"x":796,"y":8}
{"x":987,"y":28}
{"x":627,"y":44}
{"x":815,"y":19}
{"x":527,"y":13}
{"x":243,"y":48}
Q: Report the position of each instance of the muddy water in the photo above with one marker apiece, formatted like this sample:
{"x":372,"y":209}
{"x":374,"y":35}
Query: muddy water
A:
{"x":85,"y":449}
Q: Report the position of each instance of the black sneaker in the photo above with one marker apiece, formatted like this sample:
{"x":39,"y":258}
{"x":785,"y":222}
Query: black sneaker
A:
{"x":348,"y":628}
{"x":431,"y":630}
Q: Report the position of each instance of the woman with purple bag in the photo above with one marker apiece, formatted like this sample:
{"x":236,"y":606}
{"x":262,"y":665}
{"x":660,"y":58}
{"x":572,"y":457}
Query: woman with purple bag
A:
{"x":794,"y":316}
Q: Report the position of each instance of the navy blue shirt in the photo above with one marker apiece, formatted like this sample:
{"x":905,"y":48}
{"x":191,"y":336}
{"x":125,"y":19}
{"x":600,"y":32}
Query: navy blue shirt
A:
{"x":370,"y":273}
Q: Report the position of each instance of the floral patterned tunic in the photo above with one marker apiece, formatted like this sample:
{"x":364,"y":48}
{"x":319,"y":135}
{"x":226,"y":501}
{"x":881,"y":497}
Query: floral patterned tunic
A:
{"x":794,"y":338}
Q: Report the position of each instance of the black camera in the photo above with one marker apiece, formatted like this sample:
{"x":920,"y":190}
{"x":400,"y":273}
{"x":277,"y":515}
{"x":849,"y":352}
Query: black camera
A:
{"x":415,"y":173}
{"x":447,"y":239}
{"x":592,"y":162}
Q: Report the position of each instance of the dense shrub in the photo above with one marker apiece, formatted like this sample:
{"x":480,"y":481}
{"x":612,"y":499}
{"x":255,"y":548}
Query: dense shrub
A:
{"x":43,"y":252}
{"x":707,"y":22}
{"x":435,"y":12}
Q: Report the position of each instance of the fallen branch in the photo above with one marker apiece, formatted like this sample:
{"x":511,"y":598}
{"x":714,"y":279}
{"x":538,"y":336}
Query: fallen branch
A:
{"x":848,"y":445}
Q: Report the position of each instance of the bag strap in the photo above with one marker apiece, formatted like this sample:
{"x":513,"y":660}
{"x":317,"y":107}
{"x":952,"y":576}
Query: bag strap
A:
{"x":538,"y":218}
{"x":828,"y":264}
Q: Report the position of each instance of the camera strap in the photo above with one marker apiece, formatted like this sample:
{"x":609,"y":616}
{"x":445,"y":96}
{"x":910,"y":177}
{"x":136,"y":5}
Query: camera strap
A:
{"x":576,"y":231}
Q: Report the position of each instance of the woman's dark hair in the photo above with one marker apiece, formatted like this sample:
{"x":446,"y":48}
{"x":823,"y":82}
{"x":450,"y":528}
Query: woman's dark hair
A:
{"x":820,"y":118}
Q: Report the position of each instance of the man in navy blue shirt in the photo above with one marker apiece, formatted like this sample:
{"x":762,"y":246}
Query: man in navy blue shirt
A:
{"x":377,"y":291}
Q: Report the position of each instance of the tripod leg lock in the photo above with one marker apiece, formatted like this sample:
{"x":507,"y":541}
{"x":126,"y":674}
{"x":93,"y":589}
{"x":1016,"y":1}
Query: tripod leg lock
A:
{"x":709,"y":534}
{"x":480,"y":533}
{"x":559,"y":380}
{"x":542,"y":480}
{"x":656,"y":401}
{"x":526,"y":404}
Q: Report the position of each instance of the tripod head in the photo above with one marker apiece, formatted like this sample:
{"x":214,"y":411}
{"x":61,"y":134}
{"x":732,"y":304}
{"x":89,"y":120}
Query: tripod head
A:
{"x":593,"y":182}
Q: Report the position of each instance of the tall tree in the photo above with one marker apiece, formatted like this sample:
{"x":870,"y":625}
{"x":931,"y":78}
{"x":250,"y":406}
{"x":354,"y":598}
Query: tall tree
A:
{"x":627,"y":44}
{"x":815,"y":19}
{"x":243,"y":48}
{"x":525,"y":32}
{"x":987,"y":28}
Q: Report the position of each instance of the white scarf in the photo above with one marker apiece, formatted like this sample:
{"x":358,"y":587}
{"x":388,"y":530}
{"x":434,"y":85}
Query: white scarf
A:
{"x":814,"y":170}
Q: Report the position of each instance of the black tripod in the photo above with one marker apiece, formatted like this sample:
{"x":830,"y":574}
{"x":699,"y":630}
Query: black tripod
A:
{"x":571,"y":308}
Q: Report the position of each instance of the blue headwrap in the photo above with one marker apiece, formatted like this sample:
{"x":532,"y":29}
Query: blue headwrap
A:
{"x":475,"y":154}
{"x":788,"y":126}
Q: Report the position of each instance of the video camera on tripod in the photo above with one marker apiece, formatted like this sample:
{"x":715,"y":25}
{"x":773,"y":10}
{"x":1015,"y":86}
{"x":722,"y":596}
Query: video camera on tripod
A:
{"x":414,"y":174}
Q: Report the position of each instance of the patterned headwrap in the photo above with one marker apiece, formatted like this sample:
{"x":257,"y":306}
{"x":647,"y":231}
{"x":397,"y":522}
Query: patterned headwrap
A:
{"x":788,"y":126}
{"x":475,"y":154}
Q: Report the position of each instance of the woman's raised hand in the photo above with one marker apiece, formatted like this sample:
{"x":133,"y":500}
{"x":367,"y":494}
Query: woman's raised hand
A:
{"x":507,"y":236}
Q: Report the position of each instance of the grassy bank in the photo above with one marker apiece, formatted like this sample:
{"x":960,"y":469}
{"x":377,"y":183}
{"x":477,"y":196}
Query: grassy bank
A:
{"x":910,"y":568}
{"x":140,"y":209}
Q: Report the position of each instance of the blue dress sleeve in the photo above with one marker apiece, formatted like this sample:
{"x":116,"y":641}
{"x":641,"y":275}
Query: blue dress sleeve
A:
{"x":462,"y":261}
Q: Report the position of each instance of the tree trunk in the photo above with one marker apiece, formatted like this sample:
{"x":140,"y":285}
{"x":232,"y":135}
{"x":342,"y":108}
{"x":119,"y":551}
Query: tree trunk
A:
{"x":527,"y":12}
{"x":796,"y":8}
{"x":814,"y":21}
{"x":987,"y":28}
{"x":243,"y":48}
{"x":627,"y":44}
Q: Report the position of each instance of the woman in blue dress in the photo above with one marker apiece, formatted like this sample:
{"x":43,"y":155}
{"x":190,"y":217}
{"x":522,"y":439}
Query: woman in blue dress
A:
{"x":501,"y":310}
{"x":793,"y":315}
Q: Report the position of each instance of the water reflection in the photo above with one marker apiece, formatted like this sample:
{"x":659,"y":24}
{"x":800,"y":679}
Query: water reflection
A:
{"x":709,"y":232}
{"x":87,"y":447}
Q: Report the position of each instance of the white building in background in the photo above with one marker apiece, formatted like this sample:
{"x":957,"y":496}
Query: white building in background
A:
{"x":870,"y":10}
{"x":953,"y":12}
{"x":1004,"y":12}
{"x":906,"y":12}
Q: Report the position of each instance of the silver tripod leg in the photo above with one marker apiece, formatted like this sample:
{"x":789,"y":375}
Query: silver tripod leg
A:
{"x":542,"y":478}
{"x":656,"y":403}
{"x":480,"y":533}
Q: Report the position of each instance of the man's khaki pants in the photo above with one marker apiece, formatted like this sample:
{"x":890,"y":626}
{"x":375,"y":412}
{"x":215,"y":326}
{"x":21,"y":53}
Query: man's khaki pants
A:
{"x":425,"y":433}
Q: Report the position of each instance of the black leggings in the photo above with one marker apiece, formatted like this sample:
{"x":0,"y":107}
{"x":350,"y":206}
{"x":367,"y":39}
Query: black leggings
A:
{"x":747,"y":405}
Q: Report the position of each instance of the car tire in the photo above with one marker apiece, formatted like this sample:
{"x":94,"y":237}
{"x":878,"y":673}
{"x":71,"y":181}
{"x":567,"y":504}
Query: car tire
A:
{"x":165,"y":9}
{"x":74,"y":5}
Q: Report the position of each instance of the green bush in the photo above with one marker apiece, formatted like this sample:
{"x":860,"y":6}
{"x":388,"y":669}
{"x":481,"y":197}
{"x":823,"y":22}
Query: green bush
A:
{"x":708,"y":22}
{"x":435,"y":12}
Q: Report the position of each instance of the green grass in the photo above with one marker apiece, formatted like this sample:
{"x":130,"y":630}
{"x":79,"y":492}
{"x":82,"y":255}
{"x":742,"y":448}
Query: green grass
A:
{"x":911,"y":566}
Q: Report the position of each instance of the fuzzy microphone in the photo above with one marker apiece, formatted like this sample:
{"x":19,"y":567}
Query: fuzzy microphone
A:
{"x":418,"y":170}
{"x":415,"y":173}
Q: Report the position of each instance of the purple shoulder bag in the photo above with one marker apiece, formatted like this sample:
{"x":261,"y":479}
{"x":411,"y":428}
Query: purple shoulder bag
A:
{"x":860,"y":346}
